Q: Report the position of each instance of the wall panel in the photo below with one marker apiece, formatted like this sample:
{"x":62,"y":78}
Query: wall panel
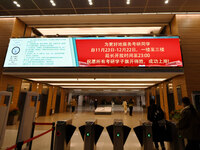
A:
{"x":6,"y":26}
{"x":188,"y":26}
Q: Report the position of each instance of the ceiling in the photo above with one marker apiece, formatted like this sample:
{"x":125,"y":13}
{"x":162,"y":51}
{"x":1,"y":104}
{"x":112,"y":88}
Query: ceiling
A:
{"x":100,"y":20}
{"x":44,"y":7}
{"x":103,"y":13}
{"x":119,"y":81}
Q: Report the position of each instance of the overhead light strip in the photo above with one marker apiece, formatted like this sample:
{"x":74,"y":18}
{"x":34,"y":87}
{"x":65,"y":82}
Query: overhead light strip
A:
{"x":100,"y":30}
{"x":97,"y":79}
{"x":115,"y":84}
{"x":100,"y":87}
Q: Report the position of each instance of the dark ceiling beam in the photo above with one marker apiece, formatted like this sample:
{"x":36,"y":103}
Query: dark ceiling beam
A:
{"x":146,"y":5}
{"x":36,"y":32}
{"x":183,"y":4}
{"x":109,"y":6}
{"x":38,"y":7}
{"x":6,"y":10}
{"x":73,"y":6}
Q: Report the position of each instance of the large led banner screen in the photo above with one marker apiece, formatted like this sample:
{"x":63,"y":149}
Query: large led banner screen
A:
{"x":40,"y":52}
{"x":94,"y":52}
{"x":133,"y":52}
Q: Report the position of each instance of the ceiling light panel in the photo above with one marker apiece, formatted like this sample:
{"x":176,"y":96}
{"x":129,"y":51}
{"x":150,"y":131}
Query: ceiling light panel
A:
{"x":97,"y":79}
{"x":130,"y":79}
{"x":100,"y":31}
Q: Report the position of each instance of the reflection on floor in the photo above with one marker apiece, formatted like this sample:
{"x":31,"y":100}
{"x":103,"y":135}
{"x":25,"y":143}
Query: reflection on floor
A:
{"x":79,"y":118}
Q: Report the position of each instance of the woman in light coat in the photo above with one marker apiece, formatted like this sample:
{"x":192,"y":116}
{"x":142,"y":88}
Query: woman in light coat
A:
{"x":124,"y":104}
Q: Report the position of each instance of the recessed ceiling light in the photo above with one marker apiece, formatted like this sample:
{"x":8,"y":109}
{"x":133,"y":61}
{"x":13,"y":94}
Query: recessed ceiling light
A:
{"x":128,"y":2}
{"x":53,"y":3}
{"x":16,"y":3}
{"x":166,"y":1}
{"x":90,"y":2}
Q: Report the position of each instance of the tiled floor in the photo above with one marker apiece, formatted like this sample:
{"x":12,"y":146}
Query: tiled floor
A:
{"x":79,"y":118}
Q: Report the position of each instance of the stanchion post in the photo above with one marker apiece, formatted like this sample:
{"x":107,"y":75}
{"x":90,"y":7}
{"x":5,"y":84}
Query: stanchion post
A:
{"x":32,"y":133}
{"x":19,"y":145}
{"x":147,"y":136}
{"x":118,"y":135}
{"x":52,"y":135}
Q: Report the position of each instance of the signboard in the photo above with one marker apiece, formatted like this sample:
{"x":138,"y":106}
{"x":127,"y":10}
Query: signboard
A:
{"x":132,"y":52}
{"x":94,"y":52}
{"x":40,"y":52}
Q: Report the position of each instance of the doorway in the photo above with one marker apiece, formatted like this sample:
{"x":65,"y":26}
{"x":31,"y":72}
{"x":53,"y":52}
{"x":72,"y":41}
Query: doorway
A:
{"x":170,"y":97}
{"x":43,"y":100}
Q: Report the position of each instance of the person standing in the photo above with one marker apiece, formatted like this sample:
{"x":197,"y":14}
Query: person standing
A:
{"x":112,"y":103}
{"x":156,"y":115}
{"x":140,"y":102}
{"x":91,"y":104}
{"x":95,"y":104}
{"x":189,"y":125}
{"x":130,"y":105}
{"x":73,"y":104}
{"x":124,"y":104}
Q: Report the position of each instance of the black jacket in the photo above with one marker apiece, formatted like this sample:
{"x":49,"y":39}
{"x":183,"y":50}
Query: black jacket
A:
{"x":189,"y":124}
{"x":154,"y":114}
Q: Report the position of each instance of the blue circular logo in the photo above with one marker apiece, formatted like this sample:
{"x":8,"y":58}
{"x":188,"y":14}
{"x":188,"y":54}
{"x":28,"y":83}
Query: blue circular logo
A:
{"x":15,"y":50}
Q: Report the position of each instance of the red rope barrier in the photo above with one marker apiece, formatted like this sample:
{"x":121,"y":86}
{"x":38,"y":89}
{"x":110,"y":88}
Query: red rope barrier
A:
{"x":15,"y":146}
{"x":43,"y":123}
{"x":12,"y":147}
{"x":35,"y":137}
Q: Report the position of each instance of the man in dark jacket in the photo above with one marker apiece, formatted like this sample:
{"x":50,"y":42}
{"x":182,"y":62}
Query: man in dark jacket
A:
{"x":155,"y":114}
{"x":189,"y":125}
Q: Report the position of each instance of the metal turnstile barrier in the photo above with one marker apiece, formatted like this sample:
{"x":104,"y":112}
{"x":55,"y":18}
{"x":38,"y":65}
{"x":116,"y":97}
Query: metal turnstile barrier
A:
{"x":90,"y":133}
{"x":147,"y":136}
{"x":118,"y":134}
{"x":28,"y":117}
{"x":144,"y":135}
{"x":4,"y":110}
{"x":176,"y":142}
{"x":64,"y":132}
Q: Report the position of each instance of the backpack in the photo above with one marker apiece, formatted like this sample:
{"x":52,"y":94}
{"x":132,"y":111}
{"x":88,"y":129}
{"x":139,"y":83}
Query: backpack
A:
{"x":158,"y":114}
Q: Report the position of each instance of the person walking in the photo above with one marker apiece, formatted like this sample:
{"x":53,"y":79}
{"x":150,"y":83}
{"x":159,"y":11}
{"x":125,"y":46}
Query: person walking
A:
{"x":156,"y":115}
{"x":130,"y":105}
{"x":124,"y":104}
{"x":73,"y":104}
{"x":189,"y":125}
